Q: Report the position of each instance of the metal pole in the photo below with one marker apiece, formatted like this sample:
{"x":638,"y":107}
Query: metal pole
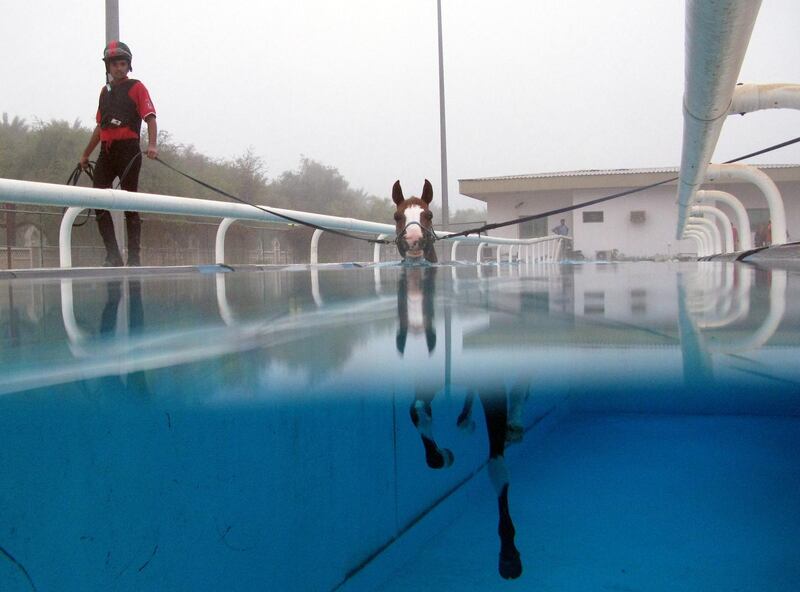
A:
{"x":11,"y":233}
{"x":112,"y":20}
{"x":112,"y":34}
{"x":442,"y":126}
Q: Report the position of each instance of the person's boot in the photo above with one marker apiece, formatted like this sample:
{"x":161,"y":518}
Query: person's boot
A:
{"x":133,"y":224}
{"x":106,"y":227}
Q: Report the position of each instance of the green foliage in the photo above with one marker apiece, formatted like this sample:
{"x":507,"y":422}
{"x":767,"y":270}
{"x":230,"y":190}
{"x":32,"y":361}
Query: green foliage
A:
{"x":49,"y":151}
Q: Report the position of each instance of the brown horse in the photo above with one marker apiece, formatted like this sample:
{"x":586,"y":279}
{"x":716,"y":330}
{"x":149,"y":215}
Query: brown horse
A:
{"x":414,"y":224}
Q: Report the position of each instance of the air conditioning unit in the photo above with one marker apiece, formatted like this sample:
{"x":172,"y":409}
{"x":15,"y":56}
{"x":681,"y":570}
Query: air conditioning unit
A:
{"x":638,"y":217}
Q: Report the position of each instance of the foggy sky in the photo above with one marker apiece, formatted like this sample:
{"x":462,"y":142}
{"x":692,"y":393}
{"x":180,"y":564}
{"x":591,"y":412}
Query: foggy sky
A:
{"x":531,"y":86}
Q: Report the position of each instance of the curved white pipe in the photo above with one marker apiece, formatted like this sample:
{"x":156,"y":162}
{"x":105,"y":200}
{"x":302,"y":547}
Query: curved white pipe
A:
{"x":314,"y":257}
{"x":744,"y":172}
{"x":376,"y":251}
{"x":315,"y":294}
{"x":742,"y":220}
{"x":453,"y":250}
{"x":65,"y":236}
{"x":705,"y":236}
{"x":740,"y":301}
{"x":717,"y":35}
{"x":219,"y":249}
{"x":777,"y":308}
{"x":480,"y":252}
{"x":225,"y":312}
{"x":702,"y":248}
{"x":727,"y":229}
{"x":711,"y":229}
{"x":756,"y":97}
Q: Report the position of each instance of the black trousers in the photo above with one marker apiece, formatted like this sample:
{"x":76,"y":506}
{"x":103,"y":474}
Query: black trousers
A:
{"x":123,"y":159}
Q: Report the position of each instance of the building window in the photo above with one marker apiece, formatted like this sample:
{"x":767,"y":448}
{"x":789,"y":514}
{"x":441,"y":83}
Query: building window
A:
{"x":638,"y":216}
{"x":589,"y":217}
{"x":594,"y":303}
{"x":533,"y":228}
{"x":639,"y":301}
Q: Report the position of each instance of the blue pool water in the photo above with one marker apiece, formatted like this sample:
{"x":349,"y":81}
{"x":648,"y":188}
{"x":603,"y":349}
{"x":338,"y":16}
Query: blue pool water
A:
{"x":276,"y":429}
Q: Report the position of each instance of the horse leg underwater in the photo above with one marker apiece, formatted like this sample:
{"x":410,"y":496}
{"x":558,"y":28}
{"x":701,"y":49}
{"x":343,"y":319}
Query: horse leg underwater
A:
{"x":422,"y":418}
{"x":495,"y":409}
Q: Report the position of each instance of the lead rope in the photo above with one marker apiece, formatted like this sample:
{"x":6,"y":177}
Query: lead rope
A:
{"x":272,"y":212}
{"x":74,"y":176}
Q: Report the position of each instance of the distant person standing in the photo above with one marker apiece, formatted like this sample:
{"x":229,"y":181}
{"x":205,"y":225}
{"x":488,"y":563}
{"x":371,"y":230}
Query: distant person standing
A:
{"x":124,"y":104}
{"x":562,"y":229}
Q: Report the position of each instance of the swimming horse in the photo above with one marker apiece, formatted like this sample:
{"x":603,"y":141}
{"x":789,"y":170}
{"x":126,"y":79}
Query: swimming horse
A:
{"x":502,"y":409}
{"x":414,"y":224}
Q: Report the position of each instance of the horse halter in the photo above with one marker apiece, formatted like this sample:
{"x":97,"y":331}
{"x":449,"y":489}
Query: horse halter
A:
{"x":425,"y":243}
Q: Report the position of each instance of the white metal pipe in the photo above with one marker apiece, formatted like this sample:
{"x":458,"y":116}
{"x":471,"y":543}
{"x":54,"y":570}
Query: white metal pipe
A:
{"x":727,"y":229}
{"x":708,"y":239}
{"x":744,"y":172}
{"x":315,"y":246}
{"x":480,"y":252}
{"x":777,"y":308}
{"x":716,"y":236}
{"x":376,"y":251}
{"x":30,"y":192}
{"x":698,"y":242}
{"x":756,"y":97}
{"x":453,"y":250}
{"x":742,"y":220}
{"x":739,"y":299}
{"x":65,"y":236}
{"x":705,"y":240}
{"x":225,"y":312}
{"x":315,"y":293}
{"x":717,"y":36}
{"x":222,"y":230}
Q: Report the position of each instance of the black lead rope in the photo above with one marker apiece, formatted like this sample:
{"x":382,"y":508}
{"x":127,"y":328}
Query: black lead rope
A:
{"x":73,"y":180}
{"x":608,"y":197}
{"x":272,"y":212}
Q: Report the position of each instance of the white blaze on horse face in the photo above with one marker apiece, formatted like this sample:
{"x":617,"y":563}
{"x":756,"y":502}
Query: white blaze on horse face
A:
{"x":413,"y":228}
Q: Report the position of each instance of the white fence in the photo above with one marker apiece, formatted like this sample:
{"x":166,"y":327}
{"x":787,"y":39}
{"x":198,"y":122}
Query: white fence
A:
{"x":77,"y":199}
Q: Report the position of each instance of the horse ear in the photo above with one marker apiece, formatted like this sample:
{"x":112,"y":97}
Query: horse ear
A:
{"x":397,"y":193}
{"x":427,"y":192}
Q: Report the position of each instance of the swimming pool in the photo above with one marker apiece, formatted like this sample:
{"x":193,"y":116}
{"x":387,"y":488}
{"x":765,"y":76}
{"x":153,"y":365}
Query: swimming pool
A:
{"x":277,"y":429}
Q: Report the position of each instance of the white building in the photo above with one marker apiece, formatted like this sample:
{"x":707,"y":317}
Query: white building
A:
{"x":639,"y":225}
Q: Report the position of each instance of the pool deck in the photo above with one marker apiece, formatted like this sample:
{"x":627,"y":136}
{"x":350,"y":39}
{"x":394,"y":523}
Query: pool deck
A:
{"x":783,"y":256}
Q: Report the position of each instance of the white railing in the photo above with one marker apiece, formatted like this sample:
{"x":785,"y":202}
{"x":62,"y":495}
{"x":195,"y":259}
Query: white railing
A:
{"x":77,"y":199}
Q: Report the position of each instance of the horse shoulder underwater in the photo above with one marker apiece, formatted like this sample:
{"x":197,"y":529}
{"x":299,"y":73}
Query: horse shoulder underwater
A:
{"x":414,"y":224}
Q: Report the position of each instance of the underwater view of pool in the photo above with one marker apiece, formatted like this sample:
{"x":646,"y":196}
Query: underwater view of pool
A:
{"x":581,"y":426}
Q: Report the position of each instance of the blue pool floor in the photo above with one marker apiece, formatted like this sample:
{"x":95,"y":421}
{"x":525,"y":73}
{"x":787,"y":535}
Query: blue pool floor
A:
{"x":626,"y":503}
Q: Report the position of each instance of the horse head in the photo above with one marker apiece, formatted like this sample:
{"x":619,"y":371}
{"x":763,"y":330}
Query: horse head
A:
{"x":414,"y":224}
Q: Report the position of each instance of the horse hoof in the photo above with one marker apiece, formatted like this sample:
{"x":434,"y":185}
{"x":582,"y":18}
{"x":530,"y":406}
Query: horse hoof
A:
{"x":441,"y":458}
{"x":510,"y":567}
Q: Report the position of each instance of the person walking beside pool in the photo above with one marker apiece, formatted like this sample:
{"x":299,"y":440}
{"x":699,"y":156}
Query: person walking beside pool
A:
{"x":562,"y":229}
{"x":124,"y":104}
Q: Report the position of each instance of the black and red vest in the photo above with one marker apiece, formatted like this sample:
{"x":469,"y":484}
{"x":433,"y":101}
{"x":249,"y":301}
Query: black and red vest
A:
{"x":118,"y":109}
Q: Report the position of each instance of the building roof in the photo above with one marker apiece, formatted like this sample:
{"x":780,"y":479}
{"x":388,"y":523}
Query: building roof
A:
{"x":482,"y":188}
